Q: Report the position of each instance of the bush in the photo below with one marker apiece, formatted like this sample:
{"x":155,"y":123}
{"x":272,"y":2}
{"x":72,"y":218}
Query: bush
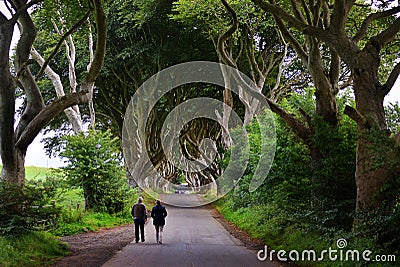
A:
{"x":94,"y":165}
{"x":24,"y":210}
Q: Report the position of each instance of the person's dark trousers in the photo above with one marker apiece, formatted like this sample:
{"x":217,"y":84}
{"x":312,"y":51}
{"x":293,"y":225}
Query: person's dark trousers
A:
{"x":139,"y":223}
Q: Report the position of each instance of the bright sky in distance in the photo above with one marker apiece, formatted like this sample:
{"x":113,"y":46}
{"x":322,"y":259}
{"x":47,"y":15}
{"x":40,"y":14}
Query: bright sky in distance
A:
{"x":36,"y":156}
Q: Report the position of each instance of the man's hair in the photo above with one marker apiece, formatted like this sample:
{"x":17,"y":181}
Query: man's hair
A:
{"x":158,"y":202}
{"x":140,"y":199}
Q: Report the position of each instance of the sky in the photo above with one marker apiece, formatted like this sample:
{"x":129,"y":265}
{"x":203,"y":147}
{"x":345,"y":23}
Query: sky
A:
{"x":36,"y":156}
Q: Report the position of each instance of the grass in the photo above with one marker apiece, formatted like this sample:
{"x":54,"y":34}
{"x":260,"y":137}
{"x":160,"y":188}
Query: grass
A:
{"x":78,"y":221}
{"x":34,"y":249}
{"x":71,"y":198}
{"x":275,"y":232}
{"x":36,"y":173}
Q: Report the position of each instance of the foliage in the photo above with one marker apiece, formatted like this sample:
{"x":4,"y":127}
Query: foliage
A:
{"x":94,"y":165}
{"x":297,"y":185}
{"x":36,"y":248}
{"x":393,"y":117}
{"x":300,"y":193}
{"x":24,"y":210}
{"x":254,"y":44}
{"x":33,"y":249}
{"x":142,"y":40}
{"x":305,"y":204}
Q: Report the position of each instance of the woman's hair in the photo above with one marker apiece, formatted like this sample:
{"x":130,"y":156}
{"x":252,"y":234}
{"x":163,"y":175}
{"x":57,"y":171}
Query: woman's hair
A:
{"x":158,"y":202}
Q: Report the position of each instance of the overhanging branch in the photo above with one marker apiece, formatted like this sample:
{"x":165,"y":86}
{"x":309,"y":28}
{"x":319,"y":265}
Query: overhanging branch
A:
{"x":292,"y":40}
{"x":101,"y":40}
{"x":388,"y":35}
{"x":46,"y":115}
{"x":22,"y":9}
{"x":375,"y":16}
{"x":280,"y":12}
{"x":294,"y":123}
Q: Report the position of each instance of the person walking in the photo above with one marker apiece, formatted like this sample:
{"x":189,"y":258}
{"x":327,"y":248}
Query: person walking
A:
{"x":158,"y":213}
{"x":139,"y":214}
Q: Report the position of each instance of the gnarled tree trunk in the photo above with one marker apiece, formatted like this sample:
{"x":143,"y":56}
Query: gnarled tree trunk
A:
{"x":14,"y":143}
{"x":371,"y":173}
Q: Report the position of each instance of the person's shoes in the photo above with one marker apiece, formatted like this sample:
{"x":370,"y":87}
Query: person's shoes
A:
{"x":159,"y":242}
{"x":142,"y":240}
{"x":137,"y":241}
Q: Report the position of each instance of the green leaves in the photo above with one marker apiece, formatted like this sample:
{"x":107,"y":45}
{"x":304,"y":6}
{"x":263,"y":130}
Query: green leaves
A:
{"x":24,"y":210}
{"x":94,"y":164}
{"x":393,"y":117}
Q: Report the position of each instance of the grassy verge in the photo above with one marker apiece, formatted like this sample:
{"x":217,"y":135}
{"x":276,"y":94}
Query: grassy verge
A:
{"x":34,"y":249}
{"x":74,"y":220}
{"x":41,"y":248}
{"x":280,"y":234}
{"x":277,"y":232}
{"x":78,"y":221}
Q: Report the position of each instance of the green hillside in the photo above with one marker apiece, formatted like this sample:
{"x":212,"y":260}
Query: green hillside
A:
{"x":33,"y":172}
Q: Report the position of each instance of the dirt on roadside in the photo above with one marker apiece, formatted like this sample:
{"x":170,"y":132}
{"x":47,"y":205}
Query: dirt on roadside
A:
{"x":95,"y":248}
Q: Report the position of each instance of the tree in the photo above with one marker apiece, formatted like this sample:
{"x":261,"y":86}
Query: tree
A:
{"x":94,"y":165}
{"x":14,"y":141}
{"x":137,"y":52}
{"x":245,"y":39}
{"x":362,"y":54}
{"x":55,"y":68}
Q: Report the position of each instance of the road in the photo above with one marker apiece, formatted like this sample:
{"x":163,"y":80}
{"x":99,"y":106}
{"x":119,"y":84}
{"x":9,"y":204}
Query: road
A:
{"x":192,"y":237}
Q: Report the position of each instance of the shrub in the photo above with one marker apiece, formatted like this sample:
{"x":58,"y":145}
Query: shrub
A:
{"x":23,"y":210}
{"x":94,"y":165}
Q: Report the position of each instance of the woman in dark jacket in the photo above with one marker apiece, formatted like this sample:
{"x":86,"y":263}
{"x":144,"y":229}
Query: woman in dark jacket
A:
{"x":158,"y":213}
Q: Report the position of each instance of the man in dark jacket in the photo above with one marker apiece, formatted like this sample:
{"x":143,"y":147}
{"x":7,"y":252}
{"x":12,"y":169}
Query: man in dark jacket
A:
{"x":139,"y":214}
{"x":158,"y":213}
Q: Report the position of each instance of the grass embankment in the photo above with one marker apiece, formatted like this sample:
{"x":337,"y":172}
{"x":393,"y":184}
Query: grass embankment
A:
{"x":280,"y":234}
{"x":273,"y":231}
{"x":34,"y":249}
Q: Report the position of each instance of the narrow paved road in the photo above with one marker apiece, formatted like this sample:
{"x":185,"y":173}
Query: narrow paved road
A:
{"x":192,"y":237}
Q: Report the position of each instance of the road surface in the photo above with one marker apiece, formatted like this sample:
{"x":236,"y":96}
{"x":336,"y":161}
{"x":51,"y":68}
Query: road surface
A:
{"x":192,"y":237}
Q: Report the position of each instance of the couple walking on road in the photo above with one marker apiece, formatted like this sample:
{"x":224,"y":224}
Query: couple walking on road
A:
{"x":139,"y":213}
